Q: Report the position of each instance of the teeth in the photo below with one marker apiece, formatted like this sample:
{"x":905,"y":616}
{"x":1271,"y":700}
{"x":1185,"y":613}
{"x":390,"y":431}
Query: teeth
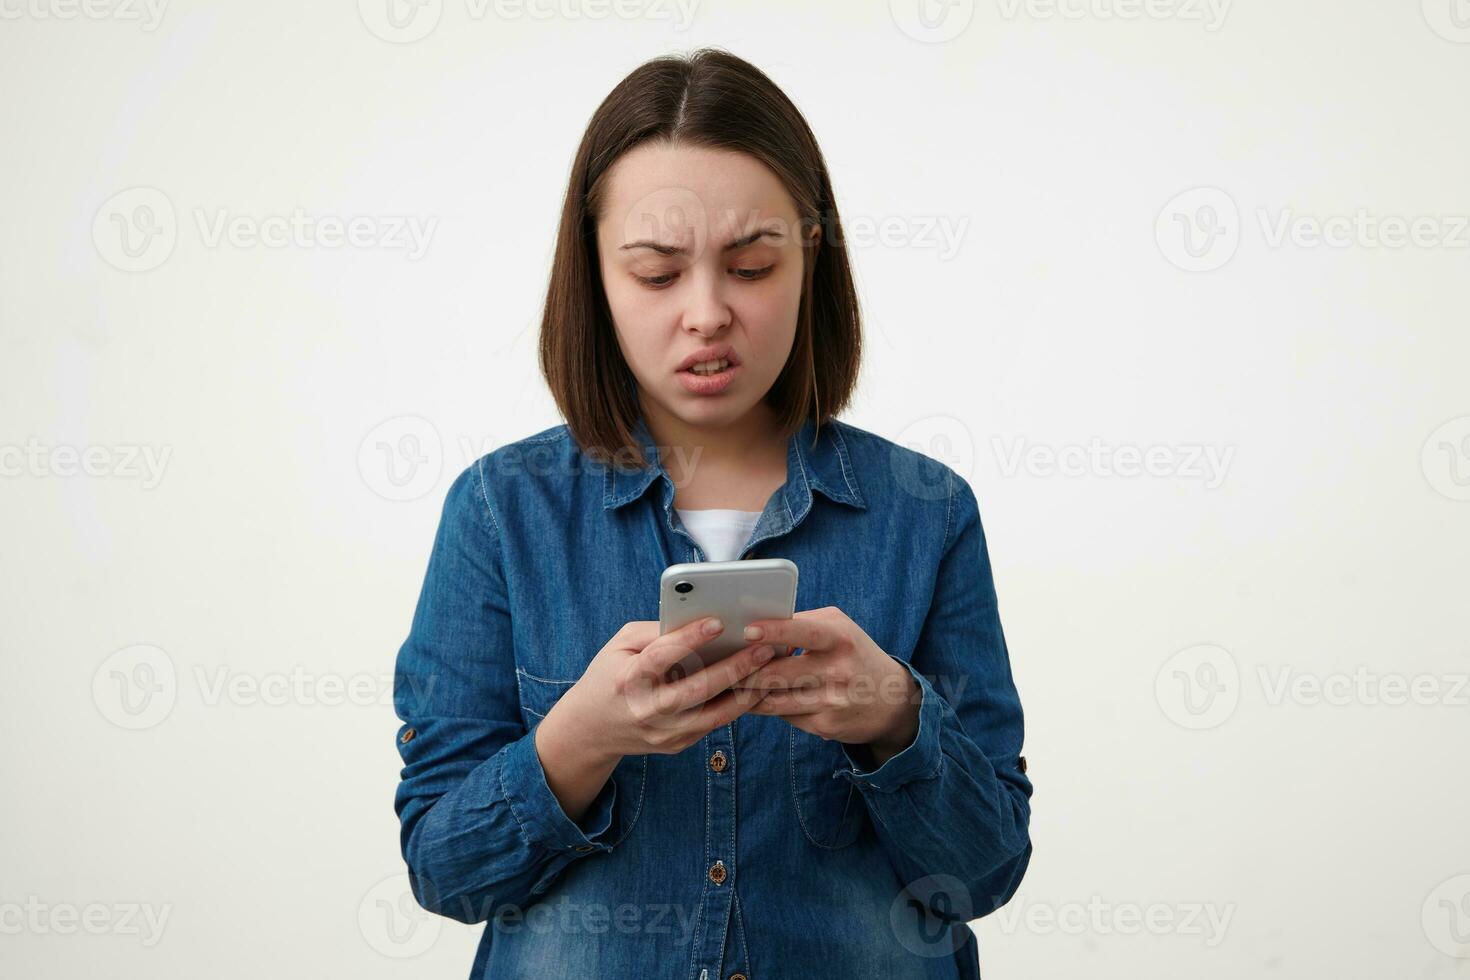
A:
{"x":711,"y":367}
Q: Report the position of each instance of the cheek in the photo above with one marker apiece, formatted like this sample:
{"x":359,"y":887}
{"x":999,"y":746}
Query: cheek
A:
{"x":622,"y":297}
{"x":769,"y":316}
{"x":638,"y":309}
{"x":632,"y":318}
{"x":768,"y":313}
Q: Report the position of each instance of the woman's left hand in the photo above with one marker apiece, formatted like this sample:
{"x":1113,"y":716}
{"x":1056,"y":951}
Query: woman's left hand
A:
{"x":843,"y":688}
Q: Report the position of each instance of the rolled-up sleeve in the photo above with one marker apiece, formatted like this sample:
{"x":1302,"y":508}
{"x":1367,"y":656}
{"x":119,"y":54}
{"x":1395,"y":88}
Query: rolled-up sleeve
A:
{"x":955,"y":801}
{"x":480,"y":828}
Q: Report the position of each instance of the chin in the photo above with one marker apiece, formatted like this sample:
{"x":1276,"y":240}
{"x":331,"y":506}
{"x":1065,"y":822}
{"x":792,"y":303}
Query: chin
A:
{"x":701,"y":410}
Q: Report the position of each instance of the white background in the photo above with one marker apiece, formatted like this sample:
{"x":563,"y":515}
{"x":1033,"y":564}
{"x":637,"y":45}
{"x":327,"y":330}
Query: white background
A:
{"x":1151,"y":617}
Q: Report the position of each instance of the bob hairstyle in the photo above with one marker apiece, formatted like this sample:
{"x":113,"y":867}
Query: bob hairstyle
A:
{"x":712,"y":99}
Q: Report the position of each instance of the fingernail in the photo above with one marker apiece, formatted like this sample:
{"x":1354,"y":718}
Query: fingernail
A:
{"x":754,"y":632}
{"x":713,"y":626}
{"x":763,"y":654}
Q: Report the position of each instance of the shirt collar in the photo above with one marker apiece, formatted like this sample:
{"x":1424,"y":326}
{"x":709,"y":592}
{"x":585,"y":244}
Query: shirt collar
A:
{"x":826,"y":467}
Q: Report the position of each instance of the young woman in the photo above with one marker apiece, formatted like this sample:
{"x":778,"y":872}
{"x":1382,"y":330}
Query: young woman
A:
{"x":841,"y":812}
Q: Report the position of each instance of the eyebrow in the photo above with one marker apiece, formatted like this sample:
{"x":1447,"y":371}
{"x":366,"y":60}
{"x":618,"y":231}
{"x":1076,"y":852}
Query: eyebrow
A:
{"x":663,"y":249}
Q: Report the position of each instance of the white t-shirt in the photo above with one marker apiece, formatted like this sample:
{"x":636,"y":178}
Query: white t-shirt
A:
{"x":721,"y":533}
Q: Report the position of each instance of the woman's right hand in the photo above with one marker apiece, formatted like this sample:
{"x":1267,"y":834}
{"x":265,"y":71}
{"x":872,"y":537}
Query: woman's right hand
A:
{"x":626,"y":704}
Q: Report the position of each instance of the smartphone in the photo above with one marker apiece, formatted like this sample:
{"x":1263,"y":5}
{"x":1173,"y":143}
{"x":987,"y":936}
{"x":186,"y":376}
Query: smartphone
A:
{"x":738,"y":592}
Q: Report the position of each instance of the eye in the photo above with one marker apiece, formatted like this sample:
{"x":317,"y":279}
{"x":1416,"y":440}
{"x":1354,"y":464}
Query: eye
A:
{"x":667,"y":279}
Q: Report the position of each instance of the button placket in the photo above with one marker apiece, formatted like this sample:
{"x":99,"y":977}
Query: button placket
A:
{"x":716,"y":903}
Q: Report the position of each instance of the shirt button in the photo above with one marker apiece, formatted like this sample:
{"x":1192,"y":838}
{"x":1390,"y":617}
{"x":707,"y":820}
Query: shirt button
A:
{"x":407,"y":736}
{"x":717,"y":762}
{"x":738,"y":976}
{"x":717,"y":872}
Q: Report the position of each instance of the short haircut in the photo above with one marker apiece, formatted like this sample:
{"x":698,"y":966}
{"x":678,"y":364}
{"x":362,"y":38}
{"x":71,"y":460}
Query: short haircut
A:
{"x":711,"y":99}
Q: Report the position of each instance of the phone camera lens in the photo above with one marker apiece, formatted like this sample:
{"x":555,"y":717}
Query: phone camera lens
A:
{"x":683,"y":588}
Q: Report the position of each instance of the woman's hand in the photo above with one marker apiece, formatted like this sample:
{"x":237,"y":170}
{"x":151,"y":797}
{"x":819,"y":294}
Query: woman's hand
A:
{"x":843,"y":688}
{"x":625,"y":704}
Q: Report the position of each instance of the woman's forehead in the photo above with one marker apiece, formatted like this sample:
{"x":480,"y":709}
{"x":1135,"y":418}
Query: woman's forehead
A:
{"x":660,"y":191}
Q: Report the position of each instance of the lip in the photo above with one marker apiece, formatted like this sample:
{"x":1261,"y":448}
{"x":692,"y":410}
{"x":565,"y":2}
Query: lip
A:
{"x":711,"y":353}
{"x":710,"y":385}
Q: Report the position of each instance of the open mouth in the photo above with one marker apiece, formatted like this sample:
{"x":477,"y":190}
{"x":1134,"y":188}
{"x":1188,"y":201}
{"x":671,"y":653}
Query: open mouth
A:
{"x":708,"y":368}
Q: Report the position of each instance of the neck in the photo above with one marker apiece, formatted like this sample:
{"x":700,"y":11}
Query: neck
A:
{"x":682,"y":446}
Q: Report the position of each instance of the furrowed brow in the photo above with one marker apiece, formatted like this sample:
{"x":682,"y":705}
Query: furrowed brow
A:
{"x":739,"y":243}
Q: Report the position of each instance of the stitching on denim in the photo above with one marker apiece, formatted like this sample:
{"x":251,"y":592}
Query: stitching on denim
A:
{"x":806,"y":486}
{"x":734,"y":893}
{"x":948,"y":510}
{"x":545,"y":680}
{"x":511,"y":803}
{"x":642,"y":793}
{"x":485,"y":494}
{"x":704,"y":892}
{"x":796,"y":803}
{"x":847,"y":804}
{"x":842,"y":458}
{"x":740,"y":930}
{"x":551,"y":436}
{"x":940,"y":705}
{"x":520,"y":692}
{"x":801,"y":465}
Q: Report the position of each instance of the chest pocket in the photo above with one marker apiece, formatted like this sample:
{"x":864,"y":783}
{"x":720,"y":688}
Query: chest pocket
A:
{"x":538,"y":694}
{"x":830,"y":811}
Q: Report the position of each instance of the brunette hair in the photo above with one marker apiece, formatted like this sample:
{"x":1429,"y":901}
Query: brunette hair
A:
{"x":708,"y":98}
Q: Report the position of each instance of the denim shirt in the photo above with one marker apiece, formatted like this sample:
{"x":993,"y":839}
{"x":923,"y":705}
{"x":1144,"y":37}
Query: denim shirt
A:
{"x":761,"y":851}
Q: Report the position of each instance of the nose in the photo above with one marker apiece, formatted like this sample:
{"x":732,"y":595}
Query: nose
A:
{"x":707,"y":312}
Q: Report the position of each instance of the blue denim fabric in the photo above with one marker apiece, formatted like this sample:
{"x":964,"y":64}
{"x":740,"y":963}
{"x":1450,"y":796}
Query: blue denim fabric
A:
{"x":830,"y":870}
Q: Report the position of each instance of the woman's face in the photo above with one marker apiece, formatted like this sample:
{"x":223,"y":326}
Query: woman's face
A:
{"x":700,"y":248}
